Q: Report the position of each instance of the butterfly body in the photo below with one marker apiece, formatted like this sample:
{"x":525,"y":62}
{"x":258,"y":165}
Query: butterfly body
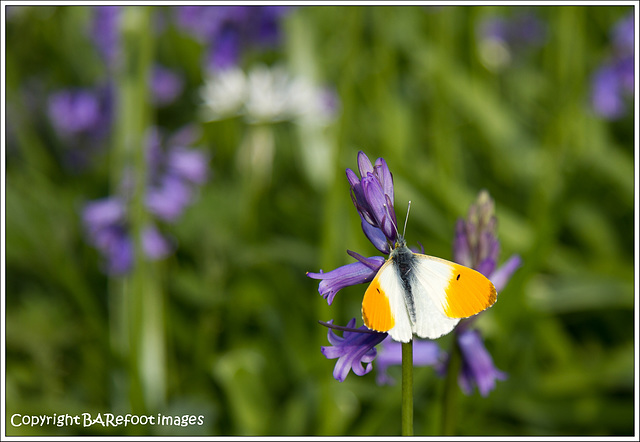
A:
{"x":422,"y":294}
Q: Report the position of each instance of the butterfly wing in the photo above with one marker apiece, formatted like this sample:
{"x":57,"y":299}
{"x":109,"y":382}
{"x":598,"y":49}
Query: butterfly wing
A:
{"x":383,"y":306}
{"x":444,"y":292}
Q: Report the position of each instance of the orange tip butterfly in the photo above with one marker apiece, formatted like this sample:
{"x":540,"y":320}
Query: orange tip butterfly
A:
{"x":421,"y":294}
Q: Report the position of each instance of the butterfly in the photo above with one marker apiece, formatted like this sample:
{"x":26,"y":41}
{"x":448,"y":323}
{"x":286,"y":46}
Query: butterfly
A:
{"x":422,"y":294}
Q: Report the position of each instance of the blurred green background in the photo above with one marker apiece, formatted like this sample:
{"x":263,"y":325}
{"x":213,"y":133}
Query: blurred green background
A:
{"x":227,"y":324}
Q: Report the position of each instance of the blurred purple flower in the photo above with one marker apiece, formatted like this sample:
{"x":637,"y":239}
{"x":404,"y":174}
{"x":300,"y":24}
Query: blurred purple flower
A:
{"x":524,"y":29}
{"x":174,"y":174}
{"x":614,"y":79}
{"x":173,"y":177}
{"x":230,"y":30}
{"x":105,"y":222}
{"x":166,"y":85}
{"x":74,"y":111}
{"x":501,"y":39}
{"x":168,"y":199}
{"x":105,"y":32}
{"x":155,"y":245}
{"x":352,"y":350}
{"x":82,"y":119}
{"x":623,"y":35}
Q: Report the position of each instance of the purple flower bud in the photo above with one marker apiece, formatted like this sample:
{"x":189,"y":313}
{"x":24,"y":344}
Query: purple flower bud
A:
{"x":373,"y":197}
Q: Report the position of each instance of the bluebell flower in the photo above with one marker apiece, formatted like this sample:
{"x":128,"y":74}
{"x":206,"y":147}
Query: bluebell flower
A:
{"x":372,"y":195}
{"x":614,"y":80}
{"x":355,"y":348}
{"x":174,"y":175}
{"x":477,"y":246}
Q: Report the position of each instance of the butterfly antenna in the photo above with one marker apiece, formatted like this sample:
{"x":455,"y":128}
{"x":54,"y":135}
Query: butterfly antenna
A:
{"x":406,"y":219}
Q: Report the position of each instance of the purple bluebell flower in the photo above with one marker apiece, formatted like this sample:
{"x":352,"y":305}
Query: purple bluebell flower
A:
{"x":372,"y":195}
{"x":614,"y":80}
{"x":352,"y":350}
{"x":477,"y":246}
{"x":425,"y":353}
{"x":477,"y":365}
{"x":174,"y":175}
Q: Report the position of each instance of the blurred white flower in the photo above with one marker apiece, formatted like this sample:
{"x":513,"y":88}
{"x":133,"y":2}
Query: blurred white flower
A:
{"x":266,"y":95}
{"x":269,"y":95}
{"x":224,"y":94}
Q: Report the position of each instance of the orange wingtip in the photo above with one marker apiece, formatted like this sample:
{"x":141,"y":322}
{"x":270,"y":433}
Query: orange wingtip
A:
{"x":376,"y":311}
{"x":469,"y":292}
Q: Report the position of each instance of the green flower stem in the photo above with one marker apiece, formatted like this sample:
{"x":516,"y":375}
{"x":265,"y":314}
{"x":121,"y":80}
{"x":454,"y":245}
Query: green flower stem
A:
{"x":136,"y":303}
{"x":449,"y":397}
{"x":407,"y":388}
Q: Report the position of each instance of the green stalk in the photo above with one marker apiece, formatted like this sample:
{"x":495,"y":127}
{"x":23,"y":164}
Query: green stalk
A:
{"x":450,"y":391}
{"x":407,"y":388}
{"x":137,"y":306}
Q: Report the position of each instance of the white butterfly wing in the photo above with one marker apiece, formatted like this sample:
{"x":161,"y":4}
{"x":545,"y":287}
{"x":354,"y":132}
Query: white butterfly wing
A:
{"x":431,"y":279}
{"x":383,"y":306}
{"x":444,"y":292}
